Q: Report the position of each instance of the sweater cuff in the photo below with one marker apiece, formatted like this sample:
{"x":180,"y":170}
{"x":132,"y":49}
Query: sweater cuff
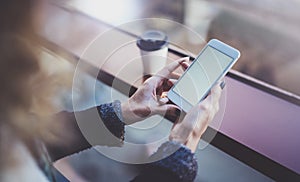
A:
{"x":181,"y":163}
{"x":112,"y":118}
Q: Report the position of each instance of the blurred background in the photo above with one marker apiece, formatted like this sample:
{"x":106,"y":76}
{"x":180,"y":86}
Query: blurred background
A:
{"x":267,"y":32}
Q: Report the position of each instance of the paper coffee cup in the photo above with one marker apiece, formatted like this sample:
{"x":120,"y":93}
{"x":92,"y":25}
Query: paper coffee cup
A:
{"x":153,"y":45}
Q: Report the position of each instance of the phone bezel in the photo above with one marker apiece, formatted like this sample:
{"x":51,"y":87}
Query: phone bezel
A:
{"x":223,"y":48}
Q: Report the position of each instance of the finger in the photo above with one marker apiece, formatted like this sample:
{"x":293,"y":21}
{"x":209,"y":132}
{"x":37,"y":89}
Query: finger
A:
{"x":185,"y":65}
{"x":164,"y":95}
{"x":163,"y":100}
{"x":211,"y":102}
{"x":222,"y":84}
{"x":169,"y":84}
{"x":175,"y":76}
{"x":217,"y":88}
{"x":166,"y":72}
{"x":216,"y":93}
{"x":165,"y":85}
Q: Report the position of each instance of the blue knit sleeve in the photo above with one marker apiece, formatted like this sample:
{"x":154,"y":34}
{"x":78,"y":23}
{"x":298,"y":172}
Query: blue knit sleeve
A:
{"x":177,"y":162}
{"x":181,"y":165}
{"x":112,"y":118}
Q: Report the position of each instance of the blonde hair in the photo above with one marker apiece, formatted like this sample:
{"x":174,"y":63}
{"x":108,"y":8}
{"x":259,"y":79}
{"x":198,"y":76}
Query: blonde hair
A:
{"x":26,"y":91}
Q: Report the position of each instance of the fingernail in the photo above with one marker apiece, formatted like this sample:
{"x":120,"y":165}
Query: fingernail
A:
{"x":184,"y":58}
{"x":163,"y":100}
{"x":222,"y":84}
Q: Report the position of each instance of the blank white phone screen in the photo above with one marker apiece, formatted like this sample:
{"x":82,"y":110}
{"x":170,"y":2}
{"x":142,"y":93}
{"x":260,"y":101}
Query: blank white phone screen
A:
{"x":199,"y":78}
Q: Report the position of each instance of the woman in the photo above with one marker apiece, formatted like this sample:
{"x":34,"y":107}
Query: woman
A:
{"x":30,"y":133}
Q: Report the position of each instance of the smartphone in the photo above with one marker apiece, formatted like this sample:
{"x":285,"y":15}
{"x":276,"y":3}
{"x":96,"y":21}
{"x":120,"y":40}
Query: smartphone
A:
{"x":212,"y":63}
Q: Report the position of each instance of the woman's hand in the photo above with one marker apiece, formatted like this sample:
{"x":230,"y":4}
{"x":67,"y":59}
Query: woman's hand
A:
{"x":150,"y":98}
{"x":190,"y":129}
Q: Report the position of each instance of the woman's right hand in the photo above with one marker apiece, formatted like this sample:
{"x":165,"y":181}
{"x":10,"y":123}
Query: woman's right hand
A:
{"x":190,"y":129}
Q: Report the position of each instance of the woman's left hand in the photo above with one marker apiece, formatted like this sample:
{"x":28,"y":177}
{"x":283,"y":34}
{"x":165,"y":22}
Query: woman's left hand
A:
{"x":150,"y":98}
